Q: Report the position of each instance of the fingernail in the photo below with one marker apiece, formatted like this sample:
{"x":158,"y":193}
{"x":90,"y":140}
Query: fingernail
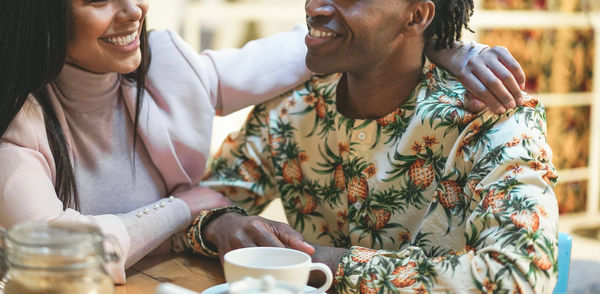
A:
{"x":520,"y":101}
{"x":501,"y":110}
{"x":478,"y":104}
{"x":511,"y":105}
{"x":523,"y":86}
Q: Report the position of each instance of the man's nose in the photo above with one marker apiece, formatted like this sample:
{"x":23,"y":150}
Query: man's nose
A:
{"x":316,"y":8}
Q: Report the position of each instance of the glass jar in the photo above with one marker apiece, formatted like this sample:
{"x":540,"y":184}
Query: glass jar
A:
{"x":56,"y":258}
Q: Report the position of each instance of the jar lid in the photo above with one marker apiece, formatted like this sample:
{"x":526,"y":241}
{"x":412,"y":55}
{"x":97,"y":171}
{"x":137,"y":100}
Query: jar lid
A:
{"x":54,"y":244}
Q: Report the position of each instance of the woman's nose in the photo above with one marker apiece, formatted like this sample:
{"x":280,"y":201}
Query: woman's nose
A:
{"x":316,"y":8}
{"x":130,"y":10}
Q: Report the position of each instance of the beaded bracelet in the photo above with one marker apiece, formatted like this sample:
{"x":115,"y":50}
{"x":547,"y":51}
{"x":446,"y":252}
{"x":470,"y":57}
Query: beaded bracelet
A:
{"x":194,"y":241}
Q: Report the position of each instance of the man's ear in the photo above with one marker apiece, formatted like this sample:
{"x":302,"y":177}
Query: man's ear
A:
{"x":421,"y":16}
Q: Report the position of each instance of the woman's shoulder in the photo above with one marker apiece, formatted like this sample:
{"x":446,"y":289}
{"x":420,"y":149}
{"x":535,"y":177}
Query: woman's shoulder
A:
{"x":168,"y":46}
{"x":178,"y":72}
{"x":27,"y":128}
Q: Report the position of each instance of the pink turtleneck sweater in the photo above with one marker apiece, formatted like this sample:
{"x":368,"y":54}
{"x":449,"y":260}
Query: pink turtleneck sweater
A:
{"x":110,"y":179}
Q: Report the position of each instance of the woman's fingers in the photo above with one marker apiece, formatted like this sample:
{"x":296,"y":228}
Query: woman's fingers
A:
{"x":473,"y":104}
{"x":495,"y":78}
{"x":508,"y":79}
{"x":474,"y":85}
{"x":494,"y":86}
{"x":511,"y":64}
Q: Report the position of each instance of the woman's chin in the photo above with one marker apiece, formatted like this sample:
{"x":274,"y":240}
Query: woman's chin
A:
{"x":128,"y":66}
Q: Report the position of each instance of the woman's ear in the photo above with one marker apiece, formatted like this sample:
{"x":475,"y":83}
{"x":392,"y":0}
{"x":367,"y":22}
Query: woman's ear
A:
{"x":421,"y":16}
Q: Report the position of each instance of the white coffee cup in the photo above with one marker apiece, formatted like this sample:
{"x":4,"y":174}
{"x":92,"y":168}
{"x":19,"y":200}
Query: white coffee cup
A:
{"x":286,"y":265}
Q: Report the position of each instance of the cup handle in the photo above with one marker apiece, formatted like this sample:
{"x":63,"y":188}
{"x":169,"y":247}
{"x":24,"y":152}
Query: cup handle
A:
{"x":328,"y":277}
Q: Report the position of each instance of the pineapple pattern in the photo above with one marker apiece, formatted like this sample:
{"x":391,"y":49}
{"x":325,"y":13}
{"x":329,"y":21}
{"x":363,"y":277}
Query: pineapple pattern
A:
{"x":404,"y":275}
{"x":421,"y":175}
{"x":427,"y":198}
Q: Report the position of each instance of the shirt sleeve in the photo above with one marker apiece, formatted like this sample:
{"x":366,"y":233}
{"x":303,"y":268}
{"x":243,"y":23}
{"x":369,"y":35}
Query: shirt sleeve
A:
{"x":511,"y":220}
{"x":261,"y":70}
{"x":242,"y":168}
{"x":152,"y":224}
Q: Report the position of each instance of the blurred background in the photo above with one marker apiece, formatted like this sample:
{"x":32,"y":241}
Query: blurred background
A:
{"x":556,"y":41}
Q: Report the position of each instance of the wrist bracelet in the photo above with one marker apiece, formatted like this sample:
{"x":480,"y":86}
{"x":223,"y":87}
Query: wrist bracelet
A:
{"x":194,"y":241}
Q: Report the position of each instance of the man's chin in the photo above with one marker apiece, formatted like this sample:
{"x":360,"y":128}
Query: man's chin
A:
{"x":317,"y":65}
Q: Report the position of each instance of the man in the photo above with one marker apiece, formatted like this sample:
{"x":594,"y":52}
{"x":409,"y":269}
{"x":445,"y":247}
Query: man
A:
{"x":396,"y":187}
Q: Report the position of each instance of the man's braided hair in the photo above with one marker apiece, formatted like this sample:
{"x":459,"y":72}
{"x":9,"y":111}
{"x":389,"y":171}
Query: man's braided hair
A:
{"x":451,"y":16}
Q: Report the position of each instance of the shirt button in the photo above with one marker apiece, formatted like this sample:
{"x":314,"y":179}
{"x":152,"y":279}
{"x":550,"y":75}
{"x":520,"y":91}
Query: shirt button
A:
{"x":362,"y":135}
{"x":357,"y":205}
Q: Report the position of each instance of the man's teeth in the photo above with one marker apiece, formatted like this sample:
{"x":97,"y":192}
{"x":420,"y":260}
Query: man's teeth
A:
{"x":121,"y":41}
{"x":320,"y":34}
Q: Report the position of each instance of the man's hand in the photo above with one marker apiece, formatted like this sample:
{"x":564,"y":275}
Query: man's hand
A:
{"x":232,"y":231}
{"x":494,"y":79}
{"x":331,"y":256}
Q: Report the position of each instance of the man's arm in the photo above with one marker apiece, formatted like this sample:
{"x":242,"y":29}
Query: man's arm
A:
{"x":511,"y":222}
{"x":243,"y":171}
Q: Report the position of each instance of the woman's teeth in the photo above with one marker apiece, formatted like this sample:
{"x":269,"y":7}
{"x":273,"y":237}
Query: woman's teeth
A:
{"x":121,"y":41}
{"x":320,"y":34}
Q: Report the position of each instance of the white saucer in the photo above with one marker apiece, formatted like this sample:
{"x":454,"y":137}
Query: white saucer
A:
{"x":224,"y":288}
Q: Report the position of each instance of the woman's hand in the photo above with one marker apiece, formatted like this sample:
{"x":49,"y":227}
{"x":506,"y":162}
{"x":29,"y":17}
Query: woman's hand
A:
{"x":202,"y":198}
{"x":494,"y":80}
{"x":232,"y":231}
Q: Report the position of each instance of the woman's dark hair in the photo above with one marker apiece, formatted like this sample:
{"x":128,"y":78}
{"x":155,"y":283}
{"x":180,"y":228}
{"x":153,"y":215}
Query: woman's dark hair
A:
{"x":35,"y":35}
{"x":451,"y":16}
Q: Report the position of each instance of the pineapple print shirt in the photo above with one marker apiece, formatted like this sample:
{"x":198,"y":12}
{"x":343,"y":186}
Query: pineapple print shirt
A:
{"x":429,"y":198}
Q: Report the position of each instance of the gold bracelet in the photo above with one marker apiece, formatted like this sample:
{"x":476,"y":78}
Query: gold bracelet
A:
{"x":194,"y":241}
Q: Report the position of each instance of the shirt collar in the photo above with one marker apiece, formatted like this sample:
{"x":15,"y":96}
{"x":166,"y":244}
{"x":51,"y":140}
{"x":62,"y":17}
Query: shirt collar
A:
{"x":84,"y":91}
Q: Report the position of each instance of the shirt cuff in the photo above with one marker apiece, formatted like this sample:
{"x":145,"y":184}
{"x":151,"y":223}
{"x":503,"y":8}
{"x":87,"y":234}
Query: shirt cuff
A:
{"x":352,"y":267}
{"x":194,"y":241}
{"x":471,"y":49}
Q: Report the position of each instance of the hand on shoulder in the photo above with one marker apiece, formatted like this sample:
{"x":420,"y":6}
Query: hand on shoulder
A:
{"x":494,"y":79}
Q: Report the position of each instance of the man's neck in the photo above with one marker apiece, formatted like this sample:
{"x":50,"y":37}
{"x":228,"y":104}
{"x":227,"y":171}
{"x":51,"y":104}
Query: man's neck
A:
{"x":375,"y":93}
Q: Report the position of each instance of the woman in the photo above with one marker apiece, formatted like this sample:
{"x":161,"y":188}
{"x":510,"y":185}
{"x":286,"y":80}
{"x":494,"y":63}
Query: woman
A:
{"x":93,"y":131}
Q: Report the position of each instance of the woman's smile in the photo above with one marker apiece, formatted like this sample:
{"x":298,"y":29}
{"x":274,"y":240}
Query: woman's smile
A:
{"x":123,"y":43}
{"x":106,"y":35}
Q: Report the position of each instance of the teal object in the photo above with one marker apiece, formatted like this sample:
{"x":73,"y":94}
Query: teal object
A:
{"x":564,"y":262}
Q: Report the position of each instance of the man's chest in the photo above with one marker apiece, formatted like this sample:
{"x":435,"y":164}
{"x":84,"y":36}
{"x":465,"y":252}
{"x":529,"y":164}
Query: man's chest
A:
{"x":373,"y":183}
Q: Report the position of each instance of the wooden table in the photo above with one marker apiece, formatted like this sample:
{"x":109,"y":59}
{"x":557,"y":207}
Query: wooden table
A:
{"x":193,"y":272}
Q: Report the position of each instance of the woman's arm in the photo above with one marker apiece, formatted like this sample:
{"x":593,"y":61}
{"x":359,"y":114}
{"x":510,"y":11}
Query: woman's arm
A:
{"x":267,"y":67}
{"x":237,"y":78}
{"x":27,"y":194}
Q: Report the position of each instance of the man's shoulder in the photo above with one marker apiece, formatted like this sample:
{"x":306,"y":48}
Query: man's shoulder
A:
{"x":434,"y":71}
{"x":443,"y":85}
{"x":319,"y":86}
{"x":526,"y":122}
{"x":442,"y":98}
